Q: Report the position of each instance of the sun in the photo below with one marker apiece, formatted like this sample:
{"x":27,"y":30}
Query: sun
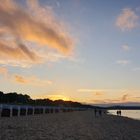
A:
{"x":58,"y":97}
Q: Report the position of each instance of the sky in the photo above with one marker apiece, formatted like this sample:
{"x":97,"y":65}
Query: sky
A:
{"x":79,"y":50}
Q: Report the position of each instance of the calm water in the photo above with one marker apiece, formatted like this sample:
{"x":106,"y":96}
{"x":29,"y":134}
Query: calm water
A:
{"x":135,"y":114}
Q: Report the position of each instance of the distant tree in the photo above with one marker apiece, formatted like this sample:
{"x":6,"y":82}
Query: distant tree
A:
{"x":14,"y":98}
{"x":1,"y":96}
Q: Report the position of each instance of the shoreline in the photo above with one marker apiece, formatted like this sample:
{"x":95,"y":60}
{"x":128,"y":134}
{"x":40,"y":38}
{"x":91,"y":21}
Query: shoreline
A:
{"x":134,"y":118}
{"x":125,"y":117}
{"x":80,"y":125}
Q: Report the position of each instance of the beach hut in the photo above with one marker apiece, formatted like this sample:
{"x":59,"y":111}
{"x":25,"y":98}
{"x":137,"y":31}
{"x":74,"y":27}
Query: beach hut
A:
{"x":6,"y":110}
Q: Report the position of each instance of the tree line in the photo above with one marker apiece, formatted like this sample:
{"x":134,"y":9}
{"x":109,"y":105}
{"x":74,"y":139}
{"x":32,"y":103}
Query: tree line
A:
{"x":15,"y":98}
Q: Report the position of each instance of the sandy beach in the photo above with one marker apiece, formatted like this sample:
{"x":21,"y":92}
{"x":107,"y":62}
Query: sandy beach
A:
{"x":80,"y":125}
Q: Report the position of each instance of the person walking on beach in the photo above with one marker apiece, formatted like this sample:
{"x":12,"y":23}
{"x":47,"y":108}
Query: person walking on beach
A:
{"x":120,"y":112}
{"x":100,"y":112}
{"x":95,"y":112}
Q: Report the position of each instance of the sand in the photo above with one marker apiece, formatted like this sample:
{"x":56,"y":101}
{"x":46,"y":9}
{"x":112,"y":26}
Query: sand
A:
{"x":80,"y":125}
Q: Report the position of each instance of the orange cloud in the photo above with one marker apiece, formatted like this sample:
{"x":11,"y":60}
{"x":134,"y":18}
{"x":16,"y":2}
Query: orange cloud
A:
{"x":99,"y":93}
{"x":34,"y":24}
{"x":20,"y":55}
{"x":20,"y":79}
{"x":88,"y":90}
{"x":127,"y":20}
{"x":30,"y":80}
{"x":25,"y":80}
{"x":96,"y":91}
{"x":124,"y":97}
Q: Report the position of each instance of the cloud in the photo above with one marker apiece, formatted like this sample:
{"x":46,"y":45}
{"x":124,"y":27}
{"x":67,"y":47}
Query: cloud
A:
{"x":123,"y":62}
{"x":36,"y":24}
{"x":24,"y":80}
{"x":17,"y":55}
{"x":127,"y":20}
{"x":20,"y":79}
{"x":105,"y":101}
{"x":136,"y":69}
{"x":92,"y":90}
{"x":3,"y":71}
{"x":58,"y":4}
{"x":126,"y":48}
{"x":124,"y":97}
{"x":110,"y":101}
{"x":98,"y":93}
{"x":30,"y":80}
{"x":137,"y":97}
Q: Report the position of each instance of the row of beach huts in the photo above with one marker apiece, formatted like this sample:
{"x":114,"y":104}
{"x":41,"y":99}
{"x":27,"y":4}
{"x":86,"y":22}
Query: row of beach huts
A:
{"x":7,"y":110}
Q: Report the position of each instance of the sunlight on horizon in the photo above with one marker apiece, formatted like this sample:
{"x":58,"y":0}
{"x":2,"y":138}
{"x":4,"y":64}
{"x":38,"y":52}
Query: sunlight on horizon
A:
{"x":71,"y":50}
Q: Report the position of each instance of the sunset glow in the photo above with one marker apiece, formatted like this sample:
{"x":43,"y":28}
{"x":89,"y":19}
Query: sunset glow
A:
{"x":86,"y":51}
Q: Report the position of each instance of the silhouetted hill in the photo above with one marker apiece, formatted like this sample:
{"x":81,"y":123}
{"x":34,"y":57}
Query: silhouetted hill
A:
{"x":14,"y":98}
{"x":123,"y":106}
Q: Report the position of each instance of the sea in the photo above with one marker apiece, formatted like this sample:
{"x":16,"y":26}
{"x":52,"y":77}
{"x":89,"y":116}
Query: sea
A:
{"x":134,"y":114}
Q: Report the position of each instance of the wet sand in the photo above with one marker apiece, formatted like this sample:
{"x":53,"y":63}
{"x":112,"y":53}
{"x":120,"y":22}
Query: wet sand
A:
{"x":69,"y":126}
